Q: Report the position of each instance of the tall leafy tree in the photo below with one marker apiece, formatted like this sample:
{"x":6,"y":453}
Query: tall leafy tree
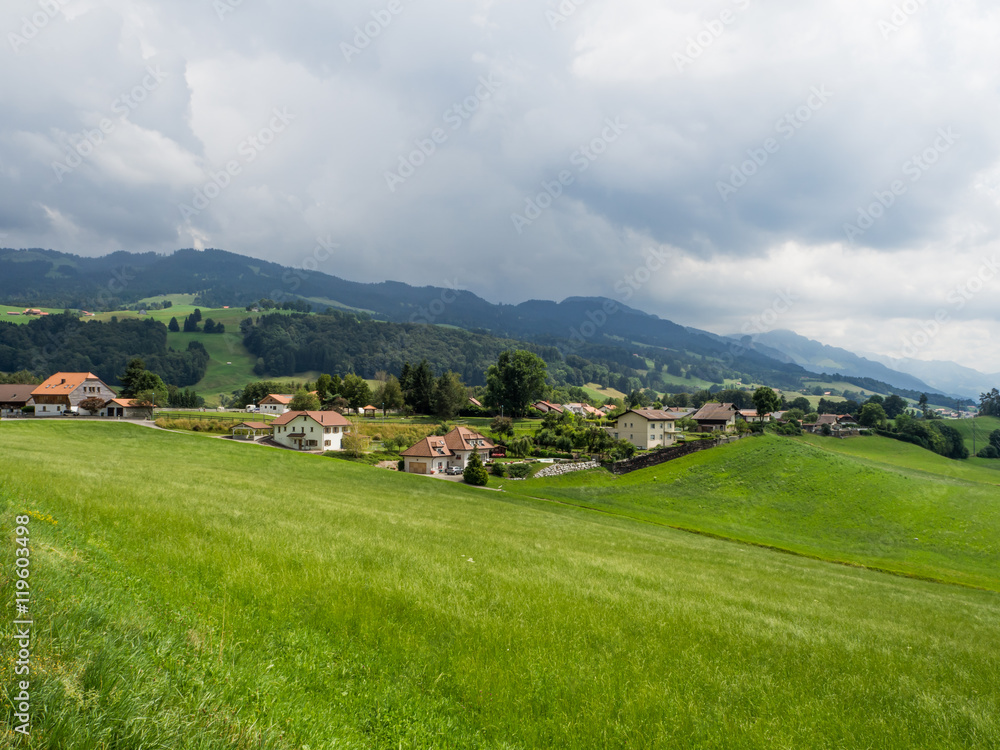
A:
{"x":516,"y":381}
{"x":450,"y":395}
{"x":304,"y":401}
{"x":766,"y":401}
{"x":420,"y":394}
{"x":389,"y":395}
{"x":356,"y":391}
{"x":174,"y":326}
{"x":894,"y":406}
{"x":137,"y":380}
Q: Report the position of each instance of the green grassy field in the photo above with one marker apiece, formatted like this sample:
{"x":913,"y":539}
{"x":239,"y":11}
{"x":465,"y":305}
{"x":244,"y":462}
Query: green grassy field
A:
{"x":22,"y":319}
{"x":868,"y":501}
{"x":983,"y":427}
{"x":192,"y":593}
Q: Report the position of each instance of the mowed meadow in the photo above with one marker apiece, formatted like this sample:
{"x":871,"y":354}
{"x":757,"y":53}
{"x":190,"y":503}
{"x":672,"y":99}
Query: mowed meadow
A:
{"x":189,"y":592}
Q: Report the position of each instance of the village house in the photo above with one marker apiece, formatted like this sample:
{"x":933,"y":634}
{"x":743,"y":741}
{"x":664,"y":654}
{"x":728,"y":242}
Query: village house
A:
{"x":275,"y":403}
{"x":13,"y":398}
{"x":125,"y":408}
{"x":647,"y":428}
{"x":545,"y":407}
{"x":750,"y":416}
{"x":715,"y":417}
{"x":435,"y":455}
{"x":311,"y":430}
{"x":64,"y":392}
{"x":584,"y":410}
{"x":835,"y":422}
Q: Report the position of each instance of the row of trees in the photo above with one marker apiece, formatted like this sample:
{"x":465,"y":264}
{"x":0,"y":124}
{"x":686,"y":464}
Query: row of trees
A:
{"x":191,"y":324}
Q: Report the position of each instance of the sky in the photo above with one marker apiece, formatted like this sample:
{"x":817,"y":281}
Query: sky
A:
{"x":734,"y":165}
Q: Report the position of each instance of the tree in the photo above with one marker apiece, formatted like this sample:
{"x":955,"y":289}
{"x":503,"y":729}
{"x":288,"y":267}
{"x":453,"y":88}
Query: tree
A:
{"x":516,"y":381}
{"x":504,"y":427}
{"x":190,"y":324}
{"x":796,"y":414}
{"x":894,"y":406}
{"x":304,"y":401}
{"x":353,"y":444}
{"x":802,"y":404}
{"x":92,"y":404}
{"x":324,"y":388}
{"x":450,"y":395}
{"x":419,"y":393}
{"x":356,"y":390}
{"x":196,"y":315}
{"x":922,"y":403}
{"x":766,"y":401}
{"x":995,"y":439}
{"x":137,"y":379}
{"x":475,"y":473}
{"x":872,"y":415}
{"x":389,"y":395}
{"x":173,"y":326}
{"x":989,"y":404}
{"x":209,"y":326}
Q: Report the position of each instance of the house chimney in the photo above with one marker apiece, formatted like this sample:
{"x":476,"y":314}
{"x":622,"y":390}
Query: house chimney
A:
{"x":63,"y":382}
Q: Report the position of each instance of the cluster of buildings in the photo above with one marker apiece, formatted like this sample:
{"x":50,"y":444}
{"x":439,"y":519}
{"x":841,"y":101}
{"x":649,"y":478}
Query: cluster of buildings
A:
{"x":64,"y":394}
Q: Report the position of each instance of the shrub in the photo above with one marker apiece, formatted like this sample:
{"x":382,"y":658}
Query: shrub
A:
{"x":519,"y":471}
{"x":475,"y":473}
{"x":498,"y":470}
{"x":990,"y":451}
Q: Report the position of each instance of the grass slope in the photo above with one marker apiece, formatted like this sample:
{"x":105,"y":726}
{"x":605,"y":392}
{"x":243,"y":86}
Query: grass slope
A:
{"x":870,"y":501}
{"x":194,"y":593}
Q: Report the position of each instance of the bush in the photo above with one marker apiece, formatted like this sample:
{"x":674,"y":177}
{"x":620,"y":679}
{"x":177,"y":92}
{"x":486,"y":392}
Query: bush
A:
{"x":498,"y":470}
{"x":990,"y":451}
{"x":519,"y":471}
{"x":475,"y":473}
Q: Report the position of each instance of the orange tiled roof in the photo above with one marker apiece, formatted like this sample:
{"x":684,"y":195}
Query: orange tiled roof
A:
{"x":63,"y":382}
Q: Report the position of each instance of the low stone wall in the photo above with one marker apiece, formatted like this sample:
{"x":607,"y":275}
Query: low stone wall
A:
{"x":558,"y":469}
{"x":667,"y":454}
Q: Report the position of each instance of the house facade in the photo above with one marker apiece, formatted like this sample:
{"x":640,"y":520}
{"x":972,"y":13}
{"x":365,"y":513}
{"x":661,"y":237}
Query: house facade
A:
{"x":750,"y":416}
{"x":647,"y":428}
{"x":124,"y":408}
{"x":275,"y":403}
{"x":436,"y":454}
{"x":311,"y":430}
{"x":64,"y":391}
{"x":13,"y":398}
{"x":716,"y":417}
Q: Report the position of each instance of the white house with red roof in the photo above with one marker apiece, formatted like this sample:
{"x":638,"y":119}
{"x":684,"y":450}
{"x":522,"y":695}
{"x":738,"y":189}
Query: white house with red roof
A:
{"x":275,"y":403}
{"x":311,"y":430}
{"x":436,"y":454}
{"x":65,"y":390}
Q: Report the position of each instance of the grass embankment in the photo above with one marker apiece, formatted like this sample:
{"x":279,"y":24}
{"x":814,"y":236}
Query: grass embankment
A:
{"x":201,"y":594}
{"x":866,"y":501}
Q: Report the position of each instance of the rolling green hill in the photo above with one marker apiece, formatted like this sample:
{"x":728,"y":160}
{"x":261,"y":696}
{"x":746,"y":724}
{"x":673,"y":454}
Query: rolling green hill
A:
{"x":190,"y":592}
{"x":867,"y":501}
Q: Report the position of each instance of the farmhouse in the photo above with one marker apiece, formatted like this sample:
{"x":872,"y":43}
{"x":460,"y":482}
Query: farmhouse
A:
{"x":715,"y":417}
{"x":647,"y":428}
{"x":13,"y":398}
{"x":124,"y":408}
{"x":275,"y":403}
{"x":836,"y":422}
{"x":434,"y":455}
{"x":751,"y":416}
{"x":65,"y":390}
{"x":545,"y":407}
{"x":584,"y":410}
{"x":310,"y":430}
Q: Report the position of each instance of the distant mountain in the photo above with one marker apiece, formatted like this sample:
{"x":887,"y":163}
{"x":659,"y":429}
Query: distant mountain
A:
{"x":949,"y":377}
{"x":819,"y":358}
{"x":595,"y":328}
